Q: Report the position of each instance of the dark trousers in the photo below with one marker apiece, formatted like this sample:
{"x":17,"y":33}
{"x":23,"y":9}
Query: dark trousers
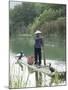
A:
{"x":37,"y":55}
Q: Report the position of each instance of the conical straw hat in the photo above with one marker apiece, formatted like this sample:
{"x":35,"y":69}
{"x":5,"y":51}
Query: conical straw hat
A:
{"x":38,"y":32}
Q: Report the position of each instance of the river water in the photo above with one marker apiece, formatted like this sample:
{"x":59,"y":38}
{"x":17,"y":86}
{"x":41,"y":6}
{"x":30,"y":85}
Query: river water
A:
{"x":54,"y":54}
{"x":23,"y":78}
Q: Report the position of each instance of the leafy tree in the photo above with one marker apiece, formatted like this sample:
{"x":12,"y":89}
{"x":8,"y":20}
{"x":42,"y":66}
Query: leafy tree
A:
{"x":28,"y":17}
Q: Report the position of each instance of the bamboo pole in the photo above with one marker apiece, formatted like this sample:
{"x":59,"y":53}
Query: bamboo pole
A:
{"x":44,"y":52}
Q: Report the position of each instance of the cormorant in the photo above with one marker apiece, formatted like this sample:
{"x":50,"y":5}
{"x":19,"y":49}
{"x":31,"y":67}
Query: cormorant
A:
{"x":51,"y":68}
{"x":20,"y":55}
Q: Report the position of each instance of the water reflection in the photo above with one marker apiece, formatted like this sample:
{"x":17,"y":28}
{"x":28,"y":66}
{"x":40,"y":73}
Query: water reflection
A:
{"x":27,"y":77}
{"x":31,"y":78}
{"x":38,"y":76}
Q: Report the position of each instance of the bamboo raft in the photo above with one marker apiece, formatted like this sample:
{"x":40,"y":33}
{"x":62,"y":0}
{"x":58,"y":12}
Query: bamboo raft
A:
{"x":42,"y":69}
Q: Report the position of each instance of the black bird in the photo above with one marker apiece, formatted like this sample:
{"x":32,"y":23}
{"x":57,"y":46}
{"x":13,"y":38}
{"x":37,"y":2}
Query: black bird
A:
{"x":20,"y":55}
{"x":51,"y":68}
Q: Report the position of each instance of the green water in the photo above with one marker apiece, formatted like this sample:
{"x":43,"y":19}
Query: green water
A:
{"x":26,"y":44}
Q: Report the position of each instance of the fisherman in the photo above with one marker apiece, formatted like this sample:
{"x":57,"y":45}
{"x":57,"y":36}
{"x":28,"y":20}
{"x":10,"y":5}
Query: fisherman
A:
{"x":37,"y":47}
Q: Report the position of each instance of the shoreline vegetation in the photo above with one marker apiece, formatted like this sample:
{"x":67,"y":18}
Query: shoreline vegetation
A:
{"x":27,"y":17}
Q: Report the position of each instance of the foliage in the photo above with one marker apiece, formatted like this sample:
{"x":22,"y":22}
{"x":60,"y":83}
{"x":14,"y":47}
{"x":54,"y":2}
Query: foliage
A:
{"x":22,"y":15}
{"x":28,"y":17}
{"x":47,"y":15}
